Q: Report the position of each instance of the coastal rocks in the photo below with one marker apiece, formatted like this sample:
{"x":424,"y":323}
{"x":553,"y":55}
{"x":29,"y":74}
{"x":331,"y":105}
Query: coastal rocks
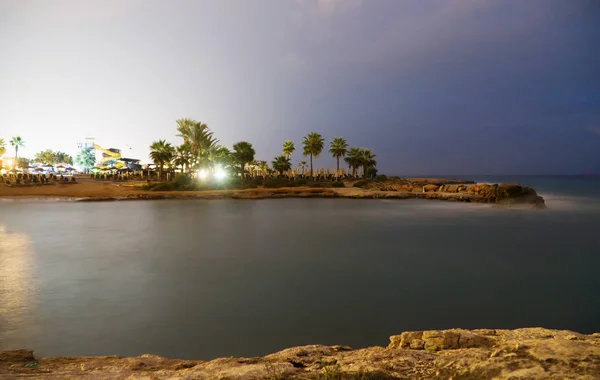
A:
{"x":530,"y":353}
{"x":430,"y":188}
{"x":435,"y":340}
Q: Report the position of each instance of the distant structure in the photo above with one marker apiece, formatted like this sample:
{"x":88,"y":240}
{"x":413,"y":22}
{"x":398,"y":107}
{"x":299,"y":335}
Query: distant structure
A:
{"x":110,"y":157}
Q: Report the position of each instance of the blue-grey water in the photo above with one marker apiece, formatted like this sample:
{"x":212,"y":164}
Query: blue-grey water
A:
{"x":203,"y":279}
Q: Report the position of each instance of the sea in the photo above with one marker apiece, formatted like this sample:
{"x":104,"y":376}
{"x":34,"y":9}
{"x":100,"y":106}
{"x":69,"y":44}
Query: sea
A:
{"x":200,"y":279}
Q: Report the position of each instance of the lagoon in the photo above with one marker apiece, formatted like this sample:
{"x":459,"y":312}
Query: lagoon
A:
{"x":201,"y":279}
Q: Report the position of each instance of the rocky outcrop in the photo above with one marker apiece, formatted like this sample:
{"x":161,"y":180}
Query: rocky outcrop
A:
{"x":531,"y":353}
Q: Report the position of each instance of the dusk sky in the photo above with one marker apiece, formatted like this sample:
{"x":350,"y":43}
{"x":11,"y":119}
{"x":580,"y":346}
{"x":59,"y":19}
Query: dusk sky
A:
{"x":432,"y":87}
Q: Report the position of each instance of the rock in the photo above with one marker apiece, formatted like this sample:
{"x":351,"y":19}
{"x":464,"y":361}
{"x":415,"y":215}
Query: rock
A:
{"x":430,"y":188}
{"x":435,"y":340}
{"x":530,"y":353}
{"x":17,"y":356}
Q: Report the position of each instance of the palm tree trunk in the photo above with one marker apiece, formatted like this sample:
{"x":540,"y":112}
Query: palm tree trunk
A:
{"x":311,"y":168}
{"x":337,"y":173}
{"x":160,"y":172}
{"x":243,"y":169}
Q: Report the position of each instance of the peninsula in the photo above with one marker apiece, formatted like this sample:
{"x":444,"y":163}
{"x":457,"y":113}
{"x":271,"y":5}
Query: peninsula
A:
{"x":86,"y":189}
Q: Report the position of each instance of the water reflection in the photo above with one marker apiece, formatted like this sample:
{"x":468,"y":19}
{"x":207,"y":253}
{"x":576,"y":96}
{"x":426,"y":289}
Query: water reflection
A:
{"x":16,"y":282}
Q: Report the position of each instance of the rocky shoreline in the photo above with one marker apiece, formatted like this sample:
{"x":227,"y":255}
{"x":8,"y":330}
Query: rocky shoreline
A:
{"x":529,"y":353}
{"x":393,"y":188}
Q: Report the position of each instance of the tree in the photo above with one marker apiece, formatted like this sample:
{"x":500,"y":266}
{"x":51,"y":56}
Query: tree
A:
{"x":182,"y":156}
{"x":302,"y":165}
{"x":17,"y":142}
{"x":243,"y":153}
{"x":367,"y":160}
{"x":288,"y":148}
{"x":353,"y":159}
{"x":221,"y":155}
{"x":161,"y":152}
{"x":22,"y":162}
{"x":338,"y":148}
{"x":313,"y":146}
{"x":86,"y":159}
{"x":2,"y":147}
{"x":50,"y":157}
{"x":281,"y":164}
{"x":198,"y":136}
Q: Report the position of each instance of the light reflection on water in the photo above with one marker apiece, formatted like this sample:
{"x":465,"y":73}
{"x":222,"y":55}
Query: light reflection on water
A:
{"x":16,"y":285}
{"x":204,"y":279}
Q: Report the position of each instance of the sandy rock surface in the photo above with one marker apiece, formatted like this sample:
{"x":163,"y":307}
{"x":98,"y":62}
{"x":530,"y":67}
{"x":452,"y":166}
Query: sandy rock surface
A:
{"x":530,"y":353}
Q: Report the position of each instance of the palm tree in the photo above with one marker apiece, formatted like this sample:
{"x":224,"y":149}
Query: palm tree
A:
{"x":338,"y":148}
{"x":17,"y":142}
{"x":264,"y":167}
{"x":243,"y":153}
{"x":161,"y":152}
{"x":353,"y":159}
{"x":367,"y":160}
{"x":313,"y":146}
{"x":198,"y":136}
{"x":302,"y":165}
{"x":2,"y":147}
{"x":288,"y":148}
{"x":86,"y":159}
{"x":281,"y":164}
{"x":183,"y":156}
{"x":221,"y":155}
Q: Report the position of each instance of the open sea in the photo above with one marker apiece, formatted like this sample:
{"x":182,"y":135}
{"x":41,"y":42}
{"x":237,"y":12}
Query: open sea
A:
{"x":204,"y":279}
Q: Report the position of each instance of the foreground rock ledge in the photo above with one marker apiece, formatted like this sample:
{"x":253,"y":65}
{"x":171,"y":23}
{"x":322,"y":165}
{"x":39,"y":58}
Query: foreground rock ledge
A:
{"x":530,"y":353}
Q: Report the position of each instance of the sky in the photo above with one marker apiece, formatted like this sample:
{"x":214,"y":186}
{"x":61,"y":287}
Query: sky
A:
{"x":431,"y":86}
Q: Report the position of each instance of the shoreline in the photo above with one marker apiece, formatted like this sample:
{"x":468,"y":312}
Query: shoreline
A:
{"x":439,"y":189}
{"x":527,"y":353}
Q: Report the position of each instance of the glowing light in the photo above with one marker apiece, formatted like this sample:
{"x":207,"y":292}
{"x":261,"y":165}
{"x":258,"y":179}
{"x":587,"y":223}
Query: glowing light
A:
{"x":8,"y":162}
{"x":202,"y":174}
{"x":220,"y":174}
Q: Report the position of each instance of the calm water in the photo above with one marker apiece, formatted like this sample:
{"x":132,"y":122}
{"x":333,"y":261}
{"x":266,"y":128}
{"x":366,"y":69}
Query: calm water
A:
{"x":202,"y":279}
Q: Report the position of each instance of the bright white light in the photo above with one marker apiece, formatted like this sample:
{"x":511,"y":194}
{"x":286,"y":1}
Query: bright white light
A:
{"x":202,"y":174}
{"x":8,"y":162}
{"x":220,"y":174}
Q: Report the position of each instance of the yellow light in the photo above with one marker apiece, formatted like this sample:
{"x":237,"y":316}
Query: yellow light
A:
{"x":220,"y":174}
{"x":8,"y":162}
{"x":202,"y":174}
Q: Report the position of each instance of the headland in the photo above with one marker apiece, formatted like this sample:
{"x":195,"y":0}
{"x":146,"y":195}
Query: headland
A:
{"x":85,"y":189}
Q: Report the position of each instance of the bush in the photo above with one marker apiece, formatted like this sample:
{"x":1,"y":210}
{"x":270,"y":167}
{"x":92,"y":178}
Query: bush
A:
{"x":338,"y":184}
{"x":182,"y":181}
{"x":371,"y":172}
{"x":161,"y":186}
{"x":362,"y":183}
{"x":273,"y":183}
{"x":380,"y":178}
{"x":301,"y":181}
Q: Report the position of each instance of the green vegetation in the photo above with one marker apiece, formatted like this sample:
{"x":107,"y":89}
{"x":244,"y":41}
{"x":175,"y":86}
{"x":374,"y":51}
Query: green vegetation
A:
{"x":288,"y":148}
{"x":313,"y":146}
{"x":281,"y":164}
{"x":51,"y":157}
{"x":201,"y":156}
{"x":17,"y":142}
{"x":360,"y":157}
{"x":2,"y":147}
{"x":338,"y":148}
{"x":243,"y":154}
{"x":161,"y":152}
{"x":86,"y":159}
